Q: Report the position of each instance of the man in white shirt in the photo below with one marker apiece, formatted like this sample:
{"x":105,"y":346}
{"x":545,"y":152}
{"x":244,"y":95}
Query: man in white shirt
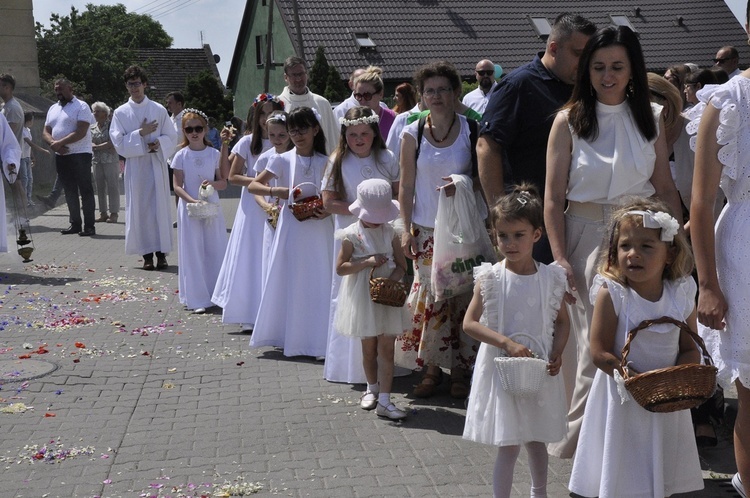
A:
{"x":143,"y":134}
{"x":728,"y":58}
{"x":67,"y":130}
{"x":296,"y":94}
{"x":485,"y":73}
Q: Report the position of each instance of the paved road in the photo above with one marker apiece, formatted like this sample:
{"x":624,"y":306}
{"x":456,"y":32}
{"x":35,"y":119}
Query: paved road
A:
{"x":147,"y":399}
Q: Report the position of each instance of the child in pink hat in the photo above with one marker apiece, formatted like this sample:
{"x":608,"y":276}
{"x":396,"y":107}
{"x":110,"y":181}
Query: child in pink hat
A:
{"x":371,"y":245}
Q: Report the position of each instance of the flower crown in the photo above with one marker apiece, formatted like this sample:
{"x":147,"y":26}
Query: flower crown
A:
{"x":372,"y":118}
{"x":267,"y":97}
{"x":196,"y":111}
{"x":659,"y":219}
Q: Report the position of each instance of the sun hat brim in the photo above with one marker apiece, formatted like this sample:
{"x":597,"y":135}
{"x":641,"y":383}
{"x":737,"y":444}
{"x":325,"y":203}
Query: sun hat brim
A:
{"x":383,"y":214}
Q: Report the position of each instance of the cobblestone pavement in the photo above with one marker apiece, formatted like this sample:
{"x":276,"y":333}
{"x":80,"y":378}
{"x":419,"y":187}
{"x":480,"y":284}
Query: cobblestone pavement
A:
{"x":116,"y":390}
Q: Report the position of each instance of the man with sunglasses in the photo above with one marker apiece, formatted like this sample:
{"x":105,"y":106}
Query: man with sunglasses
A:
{"x":728,"y":59}
{"x":478,"y":98}
{"x":144,"y":135}
{"x":512,"y":146}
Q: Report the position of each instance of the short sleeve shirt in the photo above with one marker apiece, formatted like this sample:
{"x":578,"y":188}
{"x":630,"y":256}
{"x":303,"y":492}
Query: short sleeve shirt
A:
{"x":519,"y":117}
{"x":64,"y":119}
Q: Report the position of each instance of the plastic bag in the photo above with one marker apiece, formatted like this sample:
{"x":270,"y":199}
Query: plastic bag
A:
{"x":461,"y":240}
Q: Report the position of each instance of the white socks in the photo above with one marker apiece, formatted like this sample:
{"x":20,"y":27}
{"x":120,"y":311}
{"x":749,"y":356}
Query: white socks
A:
{"x":384,"y":399}
{"x":538,"y":464}
{"x":373,"y":388}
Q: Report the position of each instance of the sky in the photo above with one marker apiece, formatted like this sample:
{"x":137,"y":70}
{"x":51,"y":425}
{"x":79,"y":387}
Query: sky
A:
{"x":218,"y":20}
{"x":183,"y":20}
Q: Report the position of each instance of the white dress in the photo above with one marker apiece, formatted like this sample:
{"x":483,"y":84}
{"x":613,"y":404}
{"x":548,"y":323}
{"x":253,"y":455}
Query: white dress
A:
{"x":293,"y":312}
{"x":344,"y":354}
{"x":357,"y":316}
{"x":10,"y":153}
{"x":269,"y":232}
{"x":202,"y":242}
{"x":240,"y":281}
{"x":625,"y":451}
{"x":730,"y":348}
{"x":515,"y":304}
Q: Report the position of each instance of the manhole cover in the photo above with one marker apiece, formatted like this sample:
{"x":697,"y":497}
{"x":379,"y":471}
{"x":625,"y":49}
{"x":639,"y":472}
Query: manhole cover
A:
{"x":20,"y":370}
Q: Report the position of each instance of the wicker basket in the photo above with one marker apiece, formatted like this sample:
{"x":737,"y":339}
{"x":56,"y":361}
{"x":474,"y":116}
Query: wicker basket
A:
{"x":388,"y":292}
{"x":673,"y":388}
{"x":303,"y":209}
{"x":202,"y":210}
{"x":522,"y":377}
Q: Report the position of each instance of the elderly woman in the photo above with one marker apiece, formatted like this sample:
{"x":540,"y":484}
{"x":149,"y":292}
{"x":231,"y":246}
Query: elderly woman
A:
{"x":607,"y":143}
{"x":436,"y":338}
{"x":106,"y":164}
{"x":368,"y":91}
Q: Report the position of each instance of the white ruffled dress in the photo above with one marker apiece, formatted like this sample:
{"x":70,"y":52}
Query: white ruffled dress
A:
{"x":730,"y":348}
{"x":356,"y":314}
{"x":514,"y":304}
{"x":625,"y":450}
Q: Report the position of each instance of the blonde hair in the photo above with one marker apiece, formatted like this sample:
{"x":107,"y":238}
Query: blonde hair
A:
{"x":659,"y":85}
{"x":372,"y":75}
{"x":682,"y":264}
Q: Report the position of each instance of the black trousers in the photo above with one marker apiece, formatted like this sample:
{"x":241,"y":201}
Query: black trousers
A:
{"x":74,"y":172}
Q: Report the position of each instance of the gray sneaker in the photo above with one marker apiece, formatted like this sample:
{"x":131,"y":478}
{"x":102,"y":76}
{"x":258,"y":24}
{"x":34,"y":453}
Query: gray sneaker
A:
{"x":368,"y":401}
{"x":390,"y":412}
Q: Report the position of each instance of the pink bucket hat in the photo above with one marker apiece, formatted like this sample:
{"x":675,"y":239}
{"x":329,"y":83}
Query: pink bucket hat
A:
{"x":374,"y":203}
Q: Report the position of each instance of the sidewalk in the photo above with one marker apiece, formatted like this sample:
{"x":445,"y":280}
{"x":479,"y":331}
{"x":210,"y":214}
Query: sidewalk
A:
{"x":133,"y":396}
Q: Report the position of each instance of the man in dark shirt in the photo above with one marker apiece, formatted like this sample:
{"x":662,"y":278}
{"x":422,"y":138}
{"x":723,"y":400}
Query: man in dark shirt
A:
{"x":512,"y":146}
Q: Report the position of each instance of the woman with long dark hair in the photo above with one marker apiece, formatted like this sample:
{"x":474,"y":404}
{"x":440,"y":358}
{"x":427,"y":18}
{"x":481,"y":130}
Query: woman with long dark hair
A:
{"x":607,"y":143}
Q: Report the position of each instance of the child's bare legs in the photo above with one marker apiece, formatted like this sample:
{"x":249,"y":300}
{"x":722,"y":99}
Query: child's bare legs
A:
{"x":386,"y":344}
{"x":742,"y":434}
{"x":502,"y":477}
{"x":538,"y":464}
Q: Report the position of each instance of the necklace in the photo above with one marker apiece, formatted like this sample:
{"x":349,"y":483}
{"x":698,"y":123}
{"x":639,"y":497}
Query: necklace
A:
{"x":441,"y":140}
{"x":307,"y":170}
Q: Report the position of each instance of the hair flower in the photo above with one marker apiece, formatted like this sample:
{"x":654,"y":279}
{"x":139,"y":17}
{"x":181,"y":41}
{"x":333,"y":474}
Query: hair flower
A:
{"x":372,"y":118}
{"x":267,"y":97}
{"x":661,"y":220}
{"x":196,"y":111}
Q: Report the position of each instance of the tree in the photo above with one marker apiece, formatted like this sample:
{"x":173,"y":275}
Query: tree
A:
{"x":94,"y":47}
{"x":325,"y":79}
{"x":204,"y":92}
{"x":318,"y":72}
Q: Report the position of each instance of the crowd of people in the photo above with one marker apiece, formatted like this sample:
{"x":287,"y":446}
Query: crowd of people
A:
{"x":594,"y":177}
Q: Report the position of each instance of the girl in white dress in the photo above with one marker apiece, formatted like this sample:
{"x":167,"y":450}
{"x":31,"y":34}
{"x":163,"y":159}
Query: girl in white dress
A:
{"x":361,"y":154}
{"x":199,"y":170}
{"x":239,"y":286}
{"x":293,"y":312}
{"x":625,"y":450}
{"x":371,"y":245}
{"x":515,"y":299}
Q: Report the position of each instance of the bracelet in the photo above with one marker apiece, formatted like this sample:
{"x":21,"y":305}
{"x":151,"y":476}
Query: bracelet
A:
{"x":270,"y":191}
{"x":226,"y":142}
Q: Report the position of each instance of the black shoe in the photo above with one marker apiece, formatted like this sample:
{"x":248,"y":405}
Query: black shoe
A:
{"x":88,"y":232}
{"x":71,"y":229}
{"x":49,"y":203}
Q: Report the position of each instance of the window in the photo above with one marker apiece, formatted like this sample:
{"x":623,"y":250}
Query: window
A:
{"x":364,"y":42}
{"x":260,"y":49}
{"x":621,"y":21}
{"x":542,"y":26}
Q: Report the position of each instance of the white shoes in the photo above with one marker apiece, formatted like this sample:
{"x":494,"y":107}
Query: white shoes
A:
{"x":199,"y":311}
{"x":390,"y":412}
{"x":368,"y":401}
{"x":737,"y":483}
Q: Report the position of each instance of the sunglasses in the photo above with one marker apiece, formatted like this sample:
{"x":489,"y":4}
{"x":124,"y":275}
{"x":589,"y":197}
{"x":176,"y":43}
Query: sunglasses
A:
{"x":722,"y":60}
{"x":367,"y":96}
{"x":191,"y":129}
{"x":488,"y":72}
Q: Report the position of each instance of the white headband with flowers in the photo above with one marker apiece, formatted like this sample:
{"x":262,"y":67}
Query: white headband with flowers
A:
{"x":196,"y":111}
{"x":659,"y":219}
{"x":372,"y":118}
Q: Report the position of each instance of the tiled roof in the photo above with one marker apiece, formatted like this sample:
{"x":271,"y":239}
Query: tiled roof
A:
{"x":410,"y":32}
{"x":168,"y":69}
